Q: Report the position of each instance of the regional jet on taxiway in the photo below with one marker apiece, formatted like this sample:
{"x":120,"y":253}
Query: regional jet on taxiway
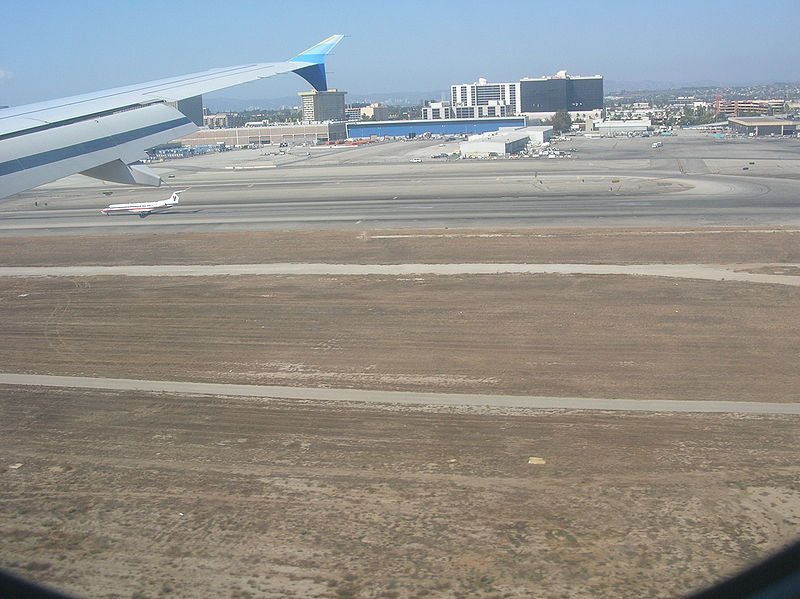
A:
{"x":102,"y":133}
{"x":144,"y":208}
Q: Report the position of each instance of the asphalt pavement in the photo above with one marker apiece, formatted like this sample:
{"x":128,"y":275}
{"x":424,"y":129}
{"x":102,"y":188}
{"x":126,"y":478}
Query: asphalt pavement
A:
{"x":691,"y":181}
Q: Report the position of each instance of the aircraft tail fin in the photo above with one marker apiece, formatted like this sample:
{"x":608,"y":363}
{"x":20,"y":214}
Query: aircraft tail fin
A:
{"x":315,"y":72}
{"x":176,"y":195}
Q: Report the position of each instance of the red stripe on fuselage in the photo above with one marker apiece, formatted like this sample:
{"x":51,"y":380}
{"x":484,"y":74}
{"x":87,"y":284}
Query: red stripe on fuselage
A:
{"x":134,"y":210}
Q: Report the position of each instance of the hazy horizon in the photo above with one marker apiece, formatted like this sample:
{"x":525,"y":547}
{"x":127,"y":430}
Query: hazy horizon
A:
{"x":416,"y":45}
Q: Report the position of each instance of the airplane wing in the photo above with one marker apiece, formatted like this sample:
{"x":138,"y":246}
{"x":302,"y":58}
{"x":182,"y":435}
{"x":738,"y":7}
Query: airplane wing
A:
{"x":101,"y":133}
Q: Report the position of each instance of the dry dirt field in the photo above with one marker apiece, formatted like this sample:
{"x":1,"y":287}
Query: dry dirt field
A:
{"x":142,"y":496}
{"x":601,"y":246}
{"x":547,"y":335}
{"x":136,"y":495}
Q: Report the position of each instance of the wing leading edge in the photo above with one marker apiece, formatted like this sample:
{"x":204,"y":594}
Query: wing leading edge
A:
{"x":101,"y":133}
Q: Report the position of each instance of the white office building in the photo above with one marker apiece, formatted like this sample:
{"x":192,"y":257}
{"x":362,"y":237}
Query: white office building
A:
{"x":483,"y":93}
{"x":479,"y":100}
{"x":445,"y":110}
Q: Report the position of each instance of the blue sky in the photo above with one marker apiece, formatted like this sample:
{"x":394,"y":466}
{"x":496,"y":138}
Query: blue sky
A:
{"x":50,"y":49}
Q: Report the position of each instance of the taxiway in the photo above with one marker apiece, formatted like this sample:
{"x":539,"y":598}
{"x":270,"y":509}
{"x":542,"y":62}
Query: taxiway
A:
{"x":692,"y":181}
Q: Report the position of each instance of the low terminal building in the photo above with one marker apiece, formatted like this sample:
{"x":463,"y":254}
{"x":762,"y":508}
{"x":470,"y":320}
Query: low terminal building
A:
{"x":610,"y":128}
{"x":494,"y":144}
{"x":243,"y":137}
{"x":505,"y":141}
{"x":417,"y":128}
{"x":762,"y":125}
{"x":375,"y":111}
{"x":575,"y":115}
{"x":223,"y":120}
{"x":733,"y":108}
{"x":538,"y":134}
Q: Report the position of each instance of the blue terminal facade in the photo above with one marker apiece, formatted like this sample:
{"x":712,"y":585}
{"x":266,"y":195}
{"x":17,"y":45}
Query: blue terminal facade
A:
{"x":366,"y":129}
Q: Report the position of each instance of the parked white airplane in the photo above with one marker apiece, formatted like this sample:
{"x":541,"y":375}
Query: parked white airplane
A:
{"x":144,"y":208}
{"x":101,"y":134}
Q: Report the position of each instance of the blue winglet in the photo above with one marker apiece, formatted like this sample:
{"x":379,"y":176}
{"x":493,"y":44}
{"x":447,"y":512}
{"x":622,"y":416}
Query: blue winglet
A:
{"x":315,"y":72}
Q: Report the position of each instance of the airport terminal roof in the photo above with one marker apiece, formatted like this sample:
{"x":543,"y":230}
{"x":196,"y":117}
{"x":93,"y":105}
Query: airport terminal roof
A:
{"x":493,"y":119}
{"x":436,"y":126}
{"x":529,"y":128}
{"x":503,"y":137}
{"x":764,"y":121}
{"x":624,"y":123}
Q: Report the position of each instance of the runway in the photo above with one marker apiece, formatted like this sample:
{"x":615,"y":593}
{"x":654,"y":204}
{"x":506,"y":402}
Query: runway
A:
{"x":781,"y":208}
{"x":615,"y":184}
{"x":402,"y":397}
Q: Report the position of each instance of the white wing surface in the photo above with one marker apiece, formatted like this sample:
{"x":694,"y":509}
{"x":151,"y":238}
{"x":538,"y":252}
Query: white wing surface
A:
{"x":101,"y":133}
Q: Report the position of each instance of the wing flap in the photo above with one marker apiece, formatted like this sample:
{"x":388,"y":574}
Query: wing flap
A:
{"x":119,"y":172}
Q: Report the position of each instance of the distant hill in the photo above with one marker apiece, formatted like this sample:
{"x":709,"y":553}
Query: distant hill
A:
{"x":391,"y":98}
{"x":648,"y":88}
{"x":239,"y":104}
{"x":708,"y":90}
{"x":612,"y":85}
